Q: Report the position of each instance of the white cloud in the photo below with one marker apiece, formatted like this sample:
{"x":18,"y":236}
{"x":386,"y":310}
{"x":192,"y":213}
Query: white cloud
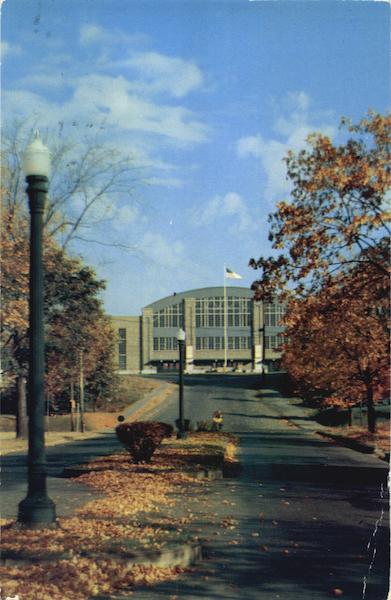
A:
{"x":167,"y":254}
{"x":7,"y":49}
{"x":162,"y":73}
{"x":95,"y":34}
{"x":219,"y":208}
{"x":293,"y":130}
{"x":49,"y":80}
{"x":98,"y":98}
{"x":112,"y":97}
{"x":92,"y":34}
{"x":126,"y":215}
{"x":170,"y":182}
{"x":271,"y":154}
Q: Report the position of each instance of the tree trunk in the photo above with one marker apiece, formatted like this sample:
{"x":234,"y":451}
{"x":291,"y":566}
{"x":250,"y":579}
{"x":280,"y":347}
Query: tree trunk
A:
{"x":72,"y":406}
{"x":81,"y":392}
{"x":21,"y":417}
{"x":371,"y":410}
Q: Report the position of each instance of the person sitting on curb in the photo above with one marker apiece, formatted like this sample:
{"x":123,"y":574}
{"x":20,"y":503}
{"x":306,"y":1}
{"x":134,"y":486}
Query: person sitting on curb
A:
{"x":217,"y":420}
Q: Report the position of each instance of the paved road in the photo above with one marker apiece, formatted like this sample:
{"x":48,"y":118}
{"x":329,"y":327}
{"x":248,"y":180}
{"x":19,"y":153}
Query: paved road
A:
{"x":312,"y":516}
{"x":309,"y":516}
{"x":66,"y":494}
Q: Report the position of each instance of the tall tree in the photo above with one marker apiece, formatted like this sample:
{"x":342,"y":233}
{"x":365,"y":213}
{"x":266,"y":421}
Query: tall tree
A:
{"x":74,"y":317}
{"x":88,"y":177}
{"x":333,"y":268}
{"x":337,"y":343}
{"x":337,"y":212}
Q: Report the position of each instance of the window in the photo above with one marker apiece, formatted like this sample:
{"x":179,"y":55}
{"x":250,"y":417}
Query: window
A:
{"x":165,"y":343}
{"x":171,"y":316}
{"x":274,"y":314}
{"x":210,"y":312}
{"x":122,"y":348}
{"x":273,"y":342}
{"x":218,"y":343}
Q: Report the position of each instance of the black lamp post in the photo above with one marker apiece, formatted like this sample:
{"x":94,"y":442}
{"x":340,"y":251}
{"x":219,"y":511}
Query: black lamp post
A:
{"x":36,"y":510}
{"x":181,"y":336}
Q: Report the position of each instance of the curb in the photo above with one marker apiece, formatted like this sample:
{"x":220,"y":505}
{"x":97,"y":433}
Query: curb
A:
{"x":211,"y":474}
{"x":173,"y":555}
{"x":355,"y":445}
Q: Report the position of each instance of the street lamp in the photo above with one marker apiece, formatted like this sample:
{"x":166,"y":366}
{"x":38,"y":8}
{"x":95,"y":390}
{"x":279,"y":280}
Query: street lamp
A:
{"x":181,"y":336}
{"x":36,"y":510}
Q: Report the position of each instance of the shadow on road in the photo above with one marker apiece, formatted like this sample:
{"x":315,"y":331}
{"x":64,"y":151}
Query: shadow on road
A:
{"x":313,"y":568}
{"x":274,"y":417}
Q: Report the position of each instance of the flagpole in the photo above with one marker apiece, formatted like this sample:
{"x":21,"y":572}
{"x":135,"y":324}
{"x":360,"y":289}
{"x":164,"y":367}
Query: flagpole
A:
{"x":225,"y":322}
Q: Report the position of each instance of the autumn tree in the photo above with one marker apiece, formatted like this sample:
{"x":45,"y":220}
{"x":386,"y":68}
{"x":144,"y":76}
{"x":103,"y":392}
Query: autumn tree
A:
{"x":337,"y":211}
{"x":333,"y":238}
{"x":337,"y":343}
{"x":88,"y":178}
{"x":74,"y":318}
{"x":14,"y":296}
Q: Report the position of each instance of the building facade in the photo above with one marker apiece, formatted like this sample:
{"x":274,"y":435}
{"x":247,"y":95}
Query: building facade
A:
{"x":252,"y":334}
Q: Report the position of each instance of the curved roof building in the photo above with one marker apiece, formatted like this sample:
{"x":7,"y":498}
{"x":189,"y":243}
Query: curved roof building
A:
{"x":224,"y":327}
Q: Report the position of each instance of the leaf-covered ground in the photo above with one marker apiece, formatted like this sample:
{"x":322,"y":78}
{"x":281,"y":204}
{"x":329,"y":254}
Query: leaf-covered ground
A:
{"x":380,"y":439}
{"x":86,"y":555}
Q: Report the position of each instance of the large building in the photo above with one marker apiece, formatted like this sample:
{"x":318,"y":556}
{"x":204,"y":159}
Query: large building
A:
{"x":253,"y":333}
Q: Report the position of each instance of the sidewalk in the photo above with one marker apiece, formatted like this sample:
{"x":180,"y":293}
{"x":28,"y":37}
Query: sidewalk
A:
{"x":9,"y":443}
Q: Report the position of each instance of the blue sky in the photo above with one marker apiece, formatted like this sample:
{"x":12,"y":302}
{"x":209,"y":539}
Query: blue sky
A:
{"x":208,"y":96}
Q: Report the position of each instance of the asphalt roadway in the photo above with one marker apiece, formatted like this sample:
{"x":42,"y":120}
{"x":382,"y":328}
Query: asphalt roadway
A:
{"x":309,"y":518}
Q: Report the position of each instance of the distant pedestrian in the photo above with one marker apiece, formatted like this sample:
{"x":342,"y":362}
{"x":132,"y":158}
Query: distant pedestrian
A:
{"x":217,"y":420}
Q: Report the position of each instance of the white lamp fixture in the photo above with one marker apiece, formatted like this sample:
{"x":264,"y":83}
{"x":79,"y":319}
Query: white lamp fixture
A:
{"x":36,"y":158}
{"x":181,"y":335}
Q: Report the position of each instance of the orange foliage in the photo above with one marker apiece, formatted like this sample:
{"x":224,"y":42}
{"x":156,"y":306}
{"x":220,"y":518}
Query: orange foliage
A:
{"x":74,"y":318}
{"x":337,"y":349}
{"x":337,"y":213}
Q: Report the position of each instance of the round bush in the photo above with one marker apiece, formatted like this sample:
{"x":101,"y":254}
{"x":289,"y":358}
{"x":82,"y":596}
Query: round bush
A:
{"x":142,"y":438}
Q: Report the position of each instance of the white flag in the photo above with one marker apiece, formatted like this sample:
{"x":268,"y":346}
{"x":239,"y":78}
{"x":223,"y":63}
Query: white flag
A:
{"x":231,"y":274}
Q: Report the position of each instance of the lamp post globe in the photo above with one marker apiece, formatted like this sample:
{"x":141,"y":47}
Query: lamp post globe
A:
{"x":36,"y":158}
{"x":37,"y":509}
{"x":181,"y":336}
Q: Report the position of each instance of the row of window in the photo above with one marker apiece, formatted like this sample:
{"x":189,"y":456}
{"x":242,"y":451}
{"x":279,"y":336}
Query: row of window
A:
{"x":274,"y":314}
{"x":273,"y":342}
{"x":218,"y":343}
{"x":210,"y":312}
{"x":204,"y":343}
{"x":165,"y":343}
{"x":122,"y":348}
{"x":171,"y":316}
